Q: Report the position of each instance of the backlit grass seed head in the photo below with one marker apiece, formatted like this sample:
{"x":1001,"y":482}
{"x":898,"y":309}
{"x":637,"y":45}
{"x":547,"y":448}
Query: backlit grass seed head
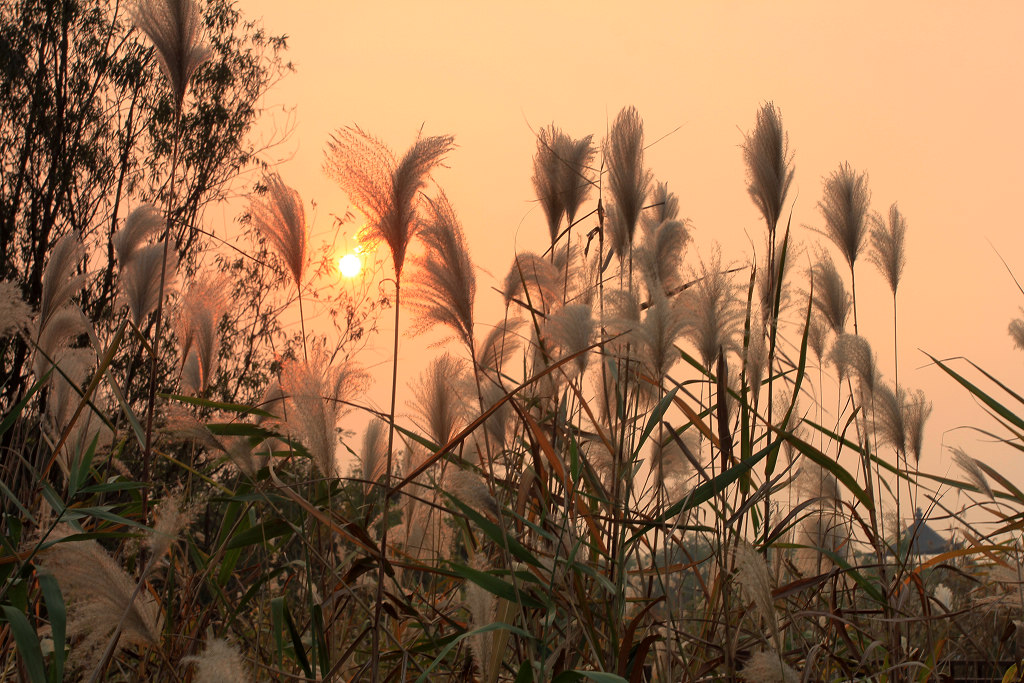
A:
{"x":817,"y":337}
{"x":973,"y":471}
{"x":480,"y":603}
{"x":444,"y":284}
{"x":145,"y":220}
{"x":468,"y":487}
{"x":172,"y":516}
{"x":756,"y":583}
{"x":1017,"y":331}
{"x":888,"y":246}
{"x":500,"y":343}
{"x":51,"y":342}
{"x":140,"y":280}
{"x":571,"y":329}
{"x":890,"y":417}
{"x":438,"y":394}
{"x":830,"y":296}
{"x":769,"y":164}
{"x":533,"y":279}
{"x":281,"y":218}
{"x":628,"y":180}
{"x":844,"y":206}
{"x":755,"y":363}
{"x":713,"y":310}
{"x":384,"y":188}
{"x":663,"y":324}
{"x":198,"y":321}
{"x":814,"y":482}
{"x":315,"y":391}
{"x":15,"y":314}
{"x":373,"y":454}
{"x":917,"y":409}
{"x":560,"y":175}
{"x":853,"y":357}
{"x":663,"y":206}
{"x":660,"y":256}
{"x":219,"y":663}
{"x":98,"y":592}
{"x":175,"y":28}
{"x":61,"y":278}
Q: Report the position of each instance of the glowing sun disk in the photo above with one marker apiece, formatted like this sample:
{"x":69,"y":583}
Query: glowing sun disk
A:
{"x":349,"y":265}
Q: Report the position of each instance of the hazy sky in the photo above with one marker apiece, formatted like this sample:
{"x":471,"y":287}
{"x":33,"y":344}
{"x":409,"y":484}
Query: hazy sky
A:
{"x":926,"y":97}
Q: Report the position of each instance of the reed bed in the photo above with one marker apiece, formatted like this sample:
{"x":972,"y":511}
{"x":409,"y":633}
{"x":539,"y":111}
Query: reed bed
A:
{"x":653,"y":465}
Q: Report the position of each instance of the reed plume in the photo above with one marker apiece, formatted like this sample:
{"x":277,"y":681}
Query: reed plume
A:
{"x":535,"y":277}
{"x":973,"y":471}
{"x":141,"y":279}
{"x":199,"y":315}
{"x":628,"y":180}
{"x":830,"y":297}
{"x":917,"y":409}
{"x":316,"y":391}
{"x":382,"y":187}
{"x":281,"y":218}
{"x":500,"y":343}
{"x":15,"y":314}
{"x":559,"y":175}
{"x":438,"y":406}
{"x":175,"y":29}
{"x":660,"y":255}
{"x":444,"y":285}
{"x":60,"y":279}
{"x":99,"y":594}
{"x":713,"y":313}
{"x":890,"y":410}
{"x":373,"y":454}
{"x":768,"y":666}
{"x":219,"y":663}
{"x":145,"y":220}
{"x":853,"y":358}
{"x":656,"y":336}
{"x":844,"y":207}
{"x":769,"y":164}
{"x":570,"y":329}
{"x":63,"y":326}
{"x":756,"y":584}
{"x":887,"y":249}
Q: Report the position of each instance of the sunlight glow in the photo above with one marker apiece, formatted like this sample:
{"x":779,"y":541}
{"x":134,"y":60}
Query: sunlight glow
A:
{"x":350,"y":265}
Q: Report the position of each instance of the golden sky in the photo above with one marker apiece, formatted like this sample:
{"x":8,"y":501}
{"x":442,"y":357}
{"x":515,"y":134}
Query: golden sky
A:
{"x":926,"y":97}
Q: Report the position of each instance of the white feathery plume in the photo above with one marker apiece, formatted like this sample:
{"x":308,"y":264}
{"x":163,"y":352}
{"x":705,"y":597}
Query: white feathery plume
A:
{"x":15,"y":314}
{"x":384,"y":188}
{"x":444,"y":285}
{"x":853,"y":357}
{"x":628,"y":180}
{"x":51,"y":341}
{"x":140,"y":280}
{"x":844,"y":207}
{"x":219,"y":663}
{"x":888,"y":246}
{"x":571,"y":329}
{"x":373,"y":454}
{"x":830,"y":296}
{"x":973,"y":471}
{"x":753,"y":577}
{"x":175,"y":28}
{"x":143,"y":221}
{"x":917,"y":410}
{"x":98,"y":592}
{"x":768,"y":667}
{"x":199,"y":313}
{"x":281,"y":218}
{"x":60,"y":279}
{"x":769,"y":164}
{"x":713,"y":312}
{"x":501,"y":342}
{"x":439,"y":403}
{"x":656,"y":336}
{"x":660,"y":255}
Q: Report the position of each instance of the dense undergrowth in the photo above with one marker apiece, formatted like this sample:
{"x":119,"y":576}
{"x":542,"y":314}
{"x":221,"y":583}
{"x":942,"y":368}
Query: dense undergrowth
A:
{"x":652,"y":467}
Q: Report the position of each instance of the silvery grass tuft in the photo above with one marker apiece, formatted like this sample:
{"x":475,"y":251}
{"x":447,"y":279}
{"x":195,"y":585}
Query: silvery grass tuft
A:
{"x":383,"y":187}
{"x":281,"y":218}
{"x":769,"y":164}
{"x":830,"y":296}
{"x":888,"y":251}
{"x":439,"y":411}
{"x":199,"y":313}
{"x":99,"y":594}
{"x":220,"y":662}
{"x":142,"y":277}
{"x":444,"y":284}
{"x":844,"y":206}
{"x":854,"y":359}
{"x":61,"y":279}
{"x":15,"y":314}
{"x":560,"y":175}
{"x":145,"y":220}
{"x":1016,"y":330}
{"x":973,"y":471}
{"x":628,"y":180}
{"x":175,"y":28}
{"x":768,"y":666}
{"x":713,"y":312}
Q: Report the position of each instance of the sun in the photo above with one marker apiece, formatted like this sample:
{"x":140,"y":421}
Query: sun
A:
{"x":350,"y":265}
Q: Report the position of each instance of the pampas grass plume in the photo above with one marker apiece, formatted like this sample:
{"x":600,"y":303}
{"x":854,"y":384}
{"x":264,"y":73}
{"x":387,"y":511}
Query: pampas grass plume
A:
{"x":830,"y":296}
{"x":769,"y":163}
{"x":175,"y":28}
{"x":281,"y":218}
{"x":15,"y":314}
{"x":973,"y":471}
{"x":142,"y":222}
{"x":844,"y":207}
{"x":219,"y":663}
{"x":383,"y":187}
{"x":60,"y":279}
{"x":768,"y":667}
{"x":628,"y":180}
{"x":140,"y":280}
{"x":888,"y":246}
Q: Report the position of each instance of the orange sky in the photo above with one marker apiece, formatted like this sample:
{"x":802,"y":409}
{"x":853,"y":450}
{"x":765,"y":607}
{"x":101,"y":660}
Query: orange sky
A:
{"x":926,"y":97}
